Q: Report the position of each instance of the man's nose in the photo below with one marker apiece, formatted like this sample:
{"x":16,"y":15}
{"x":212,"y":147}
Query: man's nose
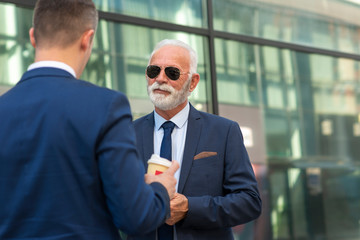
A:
{"x":162,"y":78}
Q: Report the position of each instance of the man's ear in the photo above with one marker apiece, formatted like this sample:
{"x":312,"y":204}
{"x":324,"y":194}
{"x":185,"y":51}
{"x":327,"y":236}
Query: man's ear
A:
{"x":32,"y":37}
{"x":194,"y":81}
{"x":86,"y":39}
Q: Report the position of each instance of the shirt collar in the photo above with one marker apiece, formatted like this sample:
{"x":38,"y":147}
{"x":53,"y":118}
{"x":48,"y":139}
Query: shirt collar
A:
{"x":179,"y":119}
{"x":54,"y":64}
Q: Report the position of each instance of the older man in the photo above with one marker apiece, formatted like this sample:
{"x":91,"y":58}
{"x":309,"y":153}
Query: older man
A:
{"x":217,"y":187}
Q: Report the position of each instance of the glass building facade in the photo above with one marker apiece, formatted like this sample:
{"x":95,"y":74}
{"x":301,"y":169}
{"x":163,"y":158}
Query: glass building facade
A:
{"x":287,"y":71}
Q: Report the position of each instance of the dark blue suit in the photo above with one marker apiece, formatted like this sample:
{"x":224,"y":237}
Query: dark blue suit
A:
{"x":216,"y":176}
{"x":69,"y":168}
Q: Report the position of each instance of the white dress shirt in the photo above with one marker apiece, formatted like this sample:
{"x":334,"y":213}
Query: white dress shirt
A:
{"x":178,"y":136}
{"x":54,"y":64}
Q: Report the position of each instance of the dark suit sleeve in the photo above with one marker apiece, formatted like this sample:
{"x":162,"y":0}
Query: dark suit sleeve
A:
{"x":135,"y":206}
{"x":240,"y":202}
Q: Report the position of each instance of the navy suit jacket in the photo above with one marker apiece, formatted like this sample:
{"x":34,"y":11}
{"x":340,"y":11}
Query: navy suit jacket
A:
{"x":216,"y":176}
{"x":69,"y":168}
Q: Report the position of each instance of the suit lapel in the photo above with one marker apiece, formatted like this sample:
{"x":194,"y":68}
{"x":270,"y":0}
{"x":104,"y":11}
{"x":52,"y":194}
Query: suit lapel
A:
{"x":192,"y":139}
{"x":148,"y":137}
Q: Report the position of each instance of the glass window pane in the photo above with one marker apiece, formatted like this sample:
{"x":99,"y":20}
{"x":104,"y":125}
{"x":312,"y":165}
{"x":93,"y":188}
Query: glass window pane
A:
{"x":278,"y":78}
{"x":236,"y":73}
{"x":341,"y":203}
{"x":279,"y":205}
{"x":277,"y":138}
{"x":182,"y":12}
{"x":334,"y":82}
{"x":327,"y":24}
{"x":298,"y":203}
{"x":234,"y":16}
{"x":16,"y":52}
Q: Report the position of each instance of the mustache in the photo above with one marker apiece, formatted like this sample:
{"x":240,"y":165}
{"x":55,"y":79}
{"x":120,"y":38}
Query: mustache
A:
{"x":163,"y":87}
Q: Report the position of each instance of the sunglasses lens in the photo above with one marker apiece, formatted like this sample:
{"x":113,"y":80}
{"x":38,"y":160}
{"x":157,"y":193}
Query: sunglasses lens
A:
{"x":152,"y":71}
{"x":172,"y":72}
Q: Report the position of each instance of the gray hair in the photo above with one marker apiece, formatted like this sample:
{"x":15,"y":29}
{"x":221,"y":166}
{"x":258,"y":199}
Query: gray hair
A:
{"x":175,"y":42}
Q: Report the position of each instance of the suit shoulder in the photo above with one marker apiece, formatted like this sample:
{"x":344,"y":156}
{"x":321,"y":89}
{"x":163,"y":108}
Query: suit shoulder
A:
{"x":89,"y":85}
{"x":98,"y":90}
{"x":216,"y":118}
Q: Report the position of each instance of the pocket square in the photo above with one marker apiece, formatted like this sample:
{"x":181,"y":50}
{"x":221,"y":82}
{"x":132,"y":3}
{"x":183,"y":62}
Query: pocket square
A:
{"x":204,"y":155}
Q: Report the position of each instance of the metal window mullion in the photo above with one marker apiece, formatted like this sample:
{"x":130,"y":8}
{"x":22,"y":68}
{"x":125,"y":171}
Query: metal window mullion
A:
{"x":213,"y":79}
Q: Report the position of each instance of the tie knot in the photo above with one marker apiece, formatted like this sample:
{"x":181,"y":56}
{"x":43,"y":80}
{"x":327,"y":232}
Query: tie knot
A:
{"x":168,"y":125}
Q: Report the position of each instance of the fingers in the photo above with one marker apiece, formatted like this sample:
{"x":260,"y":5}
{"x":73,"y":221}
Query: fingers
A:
{"x":170,"y":221}
{"x":173,"y":168}
{"x":176,"y":195}
{"x":167,"y":179}
{"x":149,"y":178}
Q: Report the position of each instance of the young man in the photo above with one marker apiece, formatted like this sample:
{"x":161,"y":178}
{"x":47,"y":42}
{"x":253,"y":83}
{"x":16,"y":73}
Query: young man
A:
{"x":65,"y":171}
{"x":217,"y":187}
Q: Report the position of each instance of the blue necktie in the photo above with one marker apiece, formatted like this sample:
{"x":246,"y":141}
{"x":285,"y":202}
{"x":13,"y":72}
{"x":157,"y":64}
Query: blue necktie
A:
{"x":165,"y":150}
{"x":165,"y":232}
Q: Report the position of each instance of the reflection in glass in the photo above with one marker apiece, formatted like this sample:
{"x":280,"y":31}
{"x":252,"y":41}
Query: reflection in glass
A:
{"x":279,"y":206}
{"x":315,"y":94}
{"x":335,"y":82}
{"x":16,"y":52}
{"x":236,"y":73}
{"x":298,"y":203}
{"x":278,"y":78}
{"x":342,"y":208}
{"x":324,"y":24}
{"x":277,"y":134}
{"x":182,"y":12}
{"x":235,"y":17}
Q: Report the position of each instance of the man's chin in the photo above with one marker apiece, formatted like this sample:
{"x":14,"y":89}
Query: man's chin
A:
{"x":159,"y":97}
{"x":163,"y":104}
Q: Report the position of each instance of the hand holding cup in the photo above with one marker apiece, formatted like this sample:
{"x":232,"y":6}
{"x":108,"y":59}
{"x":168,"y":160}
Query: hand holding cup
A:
{"x":163,"y":174}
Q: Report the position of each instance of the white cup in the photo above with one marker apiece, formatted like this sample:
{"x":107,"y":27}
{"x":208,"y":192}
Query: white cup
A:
{"x":157,"y":165}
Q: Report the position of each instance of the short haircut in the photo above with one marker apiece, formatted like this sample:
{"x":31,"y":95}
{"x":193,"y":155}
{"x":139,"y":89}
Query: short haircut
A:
{"x":61,"y":22}
{"x":178,"y":43}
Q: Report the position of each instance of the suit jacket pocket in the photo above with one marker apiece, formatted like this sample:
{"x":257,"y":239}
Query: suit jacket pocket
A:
{"x":209,"y":161}
{"x":205,"y":177}
{"x":204,"y":155}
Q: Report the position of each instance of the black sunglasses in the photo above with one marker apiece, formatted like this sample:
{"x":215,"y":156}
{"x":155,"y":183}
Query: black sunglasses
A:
{"x":171,"y":72}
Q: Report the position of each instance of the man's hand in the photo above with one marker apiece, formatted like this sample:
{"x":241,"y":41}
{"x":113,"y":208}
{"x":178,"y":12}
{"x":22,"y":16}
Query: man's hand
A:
{"x":167,"y":178}
{"x":179,"y":206}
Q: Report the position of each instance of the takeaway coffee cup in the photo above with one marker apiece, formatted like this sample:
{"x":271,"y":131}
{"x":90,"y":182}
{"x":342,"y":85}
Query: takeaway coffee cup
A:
{"x":157,"y":165}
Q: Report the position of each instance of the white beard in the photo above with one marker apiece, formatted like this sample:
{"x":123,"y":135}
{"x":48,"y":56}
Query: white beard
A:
{"x":171,"y":101}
